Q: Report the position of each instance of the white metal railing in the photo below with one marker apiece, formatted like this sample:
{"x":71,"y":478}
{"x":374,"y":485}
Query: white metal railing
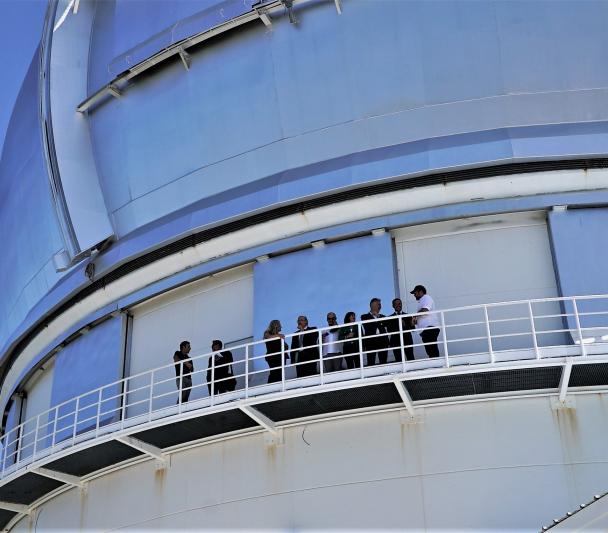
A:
{"x":480,"y":334}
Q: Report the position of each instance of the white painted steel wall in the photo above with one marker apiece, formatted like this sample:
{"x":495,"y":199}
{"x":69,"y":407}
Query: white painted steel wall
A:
{"x":482,"y":260}
{"x":504,"y":464}
{"x":38,"y":400}
{"x":216,"y":307}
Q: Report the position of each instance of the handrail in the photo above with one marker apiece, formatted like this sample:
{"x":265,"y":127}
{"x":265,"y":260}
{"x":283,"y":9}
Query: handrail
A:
{"x":150,"y":393}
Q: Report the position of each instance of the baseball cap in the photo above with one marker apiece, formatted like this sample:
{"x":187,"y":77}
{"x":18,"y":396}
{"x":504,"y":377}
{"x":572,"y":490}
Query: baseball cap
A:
{"x":418,"y":288}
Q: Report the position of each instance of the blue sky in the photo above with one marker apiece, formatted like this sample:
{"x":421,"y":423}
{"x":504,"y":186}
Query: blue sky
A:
{"x":20,"y":30}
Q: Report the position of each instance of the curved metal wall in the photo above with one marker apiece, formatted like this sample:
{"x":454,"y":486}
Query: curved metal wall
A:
{"x":266,"y":116}
{"x":497,"y":465}
{"x":29,"y":225}
{"x":445,"y":84}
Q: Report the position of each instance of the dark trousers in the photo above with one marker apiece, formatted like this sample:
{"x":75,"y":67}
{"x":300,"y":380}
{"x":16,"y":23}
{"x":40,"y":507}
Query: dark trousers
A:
{"x":304,"y":368}
{"x":372,"y":347}
{"x":274,"y":363}
{"x":186,"y":387}
{"x":226,"y":385}
{"x":350,"y":351}
{"x":429,"y":337}
{"x":407,"y":342}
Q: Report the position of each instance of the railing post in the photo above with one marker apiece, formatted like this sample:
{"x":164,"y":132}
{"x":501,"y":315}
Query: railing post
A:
{"x":54,"y":436}
{"x":5,"y":451}
{"x":282,"y":364}
{"x":75,"y":420}
{"x":125,"y":397}
{"x":578,"y":328}
{"x":98,"y":416}
{"x":320,"y":342}
{"x":533,"y":326}
{"x":36,"y":436}
{"x":400,"y":320}
{"x":444,"y":333}
{"x":247,"y":371}
{"x":19,"y":443}
{"x":150,"y":396}
{"x":488,"y":333}
{"x":212,"y":378}
{"x":360,"y":326}
{"x":180,"y":387}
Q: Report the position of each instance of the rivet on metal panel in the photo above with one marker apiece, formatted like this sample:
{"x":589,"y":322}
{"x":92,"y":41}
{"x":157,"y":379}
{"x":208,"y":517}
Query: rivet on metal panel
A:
{"x":407,"y":419}
{"x":274,"y":439}
{"x":568,"y":403}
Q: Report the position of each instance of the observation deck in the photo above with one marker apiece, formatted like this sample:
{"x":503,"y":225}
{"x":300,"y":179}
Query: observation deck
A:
{"x":540,"y":347}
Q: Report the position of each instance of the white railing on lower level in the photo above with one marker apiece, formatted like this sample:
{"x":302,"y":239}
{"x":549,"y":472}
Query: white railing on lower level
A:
{"x":480,"y":334}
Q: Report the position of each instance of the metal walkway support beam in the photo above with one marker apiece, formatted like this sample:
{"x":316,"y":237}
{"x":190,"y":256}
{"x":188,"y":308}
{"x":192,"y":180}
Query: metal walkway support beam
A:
{"x":143,"y":447}
{"x":68,"y":479}
{"x":260,"y":418}
{"x":565,"y":380}
{"x":15,"y":507}
{"x":405,"y":397}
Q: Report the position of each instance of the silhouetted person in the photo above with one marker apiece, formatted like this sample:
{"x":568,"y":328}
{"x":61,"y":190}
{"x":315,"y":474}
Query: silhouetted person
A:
{"x":305,"y":348}
{"x":220,"y":371}
{"x":375,"y":345}
{"x":405,"y":339}
{"x":274,"y":341}
{"x":428,"y":325}
{"x":183,"y":370}
{"x":332,"y":352}
{"x":349,"y":335}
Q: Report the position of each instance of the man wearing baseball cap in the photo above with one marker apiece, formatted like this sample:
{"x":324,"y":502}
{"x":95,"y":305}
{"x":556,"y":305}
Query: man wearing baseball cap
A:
{"x":427,"y":324}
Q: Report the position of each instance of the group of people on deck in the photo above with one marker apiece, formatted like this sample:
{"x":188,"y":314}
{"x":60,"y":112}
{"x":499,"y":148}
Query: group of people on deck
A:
{"x":337,"y":344}
{"x":346,"y":344}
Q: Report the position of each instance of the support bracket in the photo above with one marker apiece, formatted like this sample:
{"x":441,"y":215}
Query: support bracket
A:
{"x":68,"y":479}
{"x":565,"y":380}
{"x":260,"y":418}
{"x":114,"y":90}
{"x":264,"y":17}
{"x":185,"y":57}
{"x":405,"y":397}
{"x":144,"y":447}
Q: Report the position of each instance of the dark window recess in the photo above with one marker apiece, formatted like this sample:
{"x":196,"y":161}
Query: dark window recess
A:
{"x":330,"y":402}
{"x":484,"y":383}
{"x":589,"y":375}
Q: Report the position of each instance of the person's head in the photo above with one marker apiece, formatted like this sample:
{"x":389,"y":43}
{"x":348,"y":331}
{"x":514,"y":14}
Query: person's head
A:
{"x":350,"y":317}
{"x":397,"y":305}
{"x":274,"y":327}
{"x":302,"y":322}
{"x":184,"y":347}
{"x":375,"y":305}
{"x":216,"y":345}
{"x":332,"y":319}
{"x":419,"y":291}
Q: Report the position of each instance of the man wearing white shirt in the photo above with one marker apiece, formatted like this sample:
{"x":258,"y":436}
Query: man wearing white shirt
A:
{"x":428,"y":323}
{"x":331,"y":347}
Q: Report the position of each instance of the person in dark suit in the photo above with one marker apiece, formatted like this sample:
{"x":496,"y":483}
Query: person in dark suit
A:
{"x":406,"y":336}
{"x":183,"y":371}
{"x":375,"y":345}
{"x":349,"y":336}
{"x":220,"y":371}
{"x":305,"y":349}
